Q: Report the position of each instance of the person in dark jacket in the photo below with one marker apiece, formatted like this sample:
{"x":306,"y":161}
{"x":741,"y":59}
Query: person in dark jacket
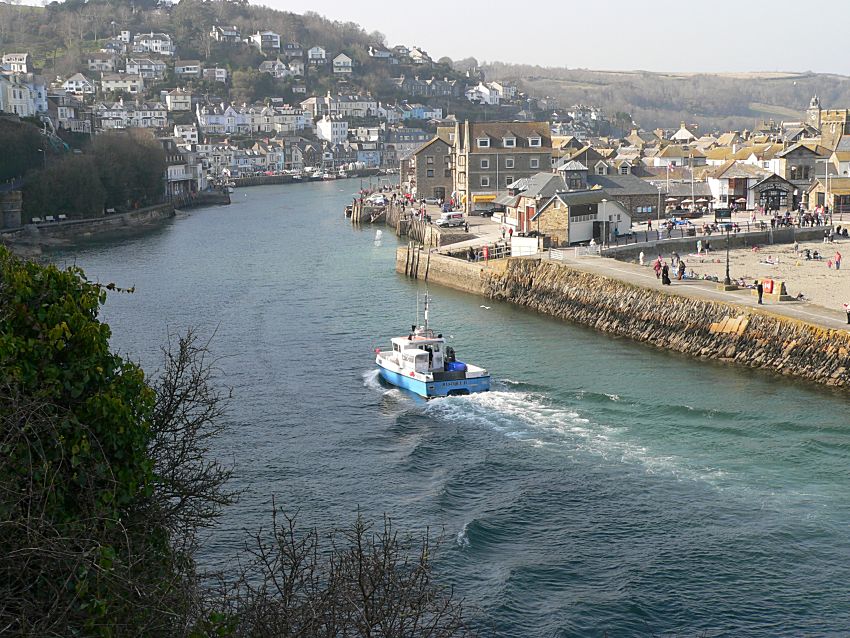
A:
{"x":760,"y":290}
{"x":665,"y":275}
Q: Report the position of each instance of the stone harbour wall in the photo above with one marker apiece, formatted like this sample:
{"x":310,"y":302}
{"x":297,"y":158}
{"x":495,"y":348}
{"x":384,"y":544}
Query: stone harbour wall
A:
{"x":699,"y":328}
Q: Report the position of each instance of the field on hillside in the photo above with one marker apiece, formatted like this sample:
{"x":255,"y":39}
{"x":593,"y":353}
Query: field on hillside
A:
{"x":713,"y":101}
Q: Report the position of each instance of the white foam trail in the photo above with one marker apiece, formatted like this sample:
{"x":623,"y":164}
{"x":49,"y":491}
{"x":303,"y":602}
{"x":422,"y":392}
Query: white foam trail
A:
{"x":463,"y":536}
{"x":371,"y":379}
{"x":532,"y":419}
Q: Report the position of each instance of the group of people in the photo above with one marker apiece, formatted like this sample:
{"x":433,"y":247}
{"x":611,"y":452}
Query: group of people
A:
{"x":662,"y":269}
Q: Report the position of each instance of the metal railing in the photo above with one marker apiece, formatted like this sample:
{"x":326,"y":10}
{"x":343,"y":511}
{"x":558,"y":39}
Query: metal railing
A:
{"x":708,"y":231}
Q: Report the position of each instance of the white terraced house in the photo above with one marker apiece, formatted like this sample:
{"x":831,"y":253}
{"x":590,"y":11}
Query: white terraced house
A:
{"x":78,"y":84}
{"x":153,"y":43}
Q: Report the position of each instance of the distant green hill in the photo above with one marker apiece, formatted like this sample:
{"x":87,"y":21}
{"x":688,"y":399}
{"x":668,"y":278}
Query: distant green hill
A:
{"x":715,"y":101}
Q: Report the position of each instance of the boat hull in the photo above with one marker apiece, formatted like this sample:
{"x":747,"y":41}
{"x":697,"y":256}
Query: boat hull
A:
{"x":430,"y":389}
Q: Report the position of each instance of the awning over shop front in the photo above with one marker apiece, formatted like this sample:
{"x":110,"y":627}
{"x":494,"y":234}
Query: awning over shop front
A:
{"x":483,"y":198}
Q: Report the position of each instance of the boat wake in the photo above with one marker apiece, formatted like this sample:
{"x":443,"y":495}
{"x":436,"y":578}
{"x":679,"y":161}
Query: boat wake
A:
{"x":372,"y":380}
{"x":534,"y":419}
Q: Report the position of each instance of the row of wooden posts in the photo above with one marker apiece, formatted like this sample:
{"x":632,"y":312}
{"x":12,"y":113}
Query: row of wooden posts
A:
{"x":413,"y":258}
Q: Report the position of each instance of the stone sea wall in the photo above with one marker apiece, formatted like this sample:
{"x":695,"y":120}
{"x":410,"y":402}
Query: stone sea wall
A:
{"x":30,"y":239}
{"x":710,"y":330}
{"x":699,"y":328}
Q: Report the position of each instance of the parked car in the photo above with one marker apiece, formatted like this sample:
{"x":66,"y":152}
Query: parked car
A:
{"x":432,"y":200}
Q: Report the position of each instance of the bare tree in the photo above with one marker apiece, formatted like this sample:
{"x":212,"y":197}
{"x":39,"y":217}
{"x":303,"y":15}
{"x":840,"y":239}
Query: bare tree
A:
{"x":358,"y":581}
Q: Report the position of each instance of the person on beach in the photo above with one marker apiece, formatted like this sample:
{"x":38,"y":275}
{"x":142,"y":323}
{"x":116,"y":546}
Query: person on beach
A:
{"x":837,"y":260}
{"x":681,"y":270}
{"x":641,"y":258}
{"x":657,"y":267}
{"x":665,"y":275}
{"x":759,"y":289}
{"x":847,"y":311}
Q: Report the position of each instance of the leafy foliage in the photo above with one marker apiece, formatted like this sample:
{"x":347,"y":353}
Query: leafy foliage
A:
{"x":76,"y":427}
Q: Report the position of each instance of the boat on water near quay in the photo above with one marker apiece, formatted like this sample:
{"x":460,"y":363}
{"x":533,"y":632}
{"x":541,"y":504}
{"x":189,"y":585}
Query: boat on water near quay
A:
{"x":424,"y":363}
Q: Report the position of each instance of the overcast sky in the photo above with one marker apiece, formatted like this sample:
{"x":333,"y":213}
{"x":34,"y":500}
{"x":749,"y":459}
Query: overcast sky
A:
{"x":662,"y":35}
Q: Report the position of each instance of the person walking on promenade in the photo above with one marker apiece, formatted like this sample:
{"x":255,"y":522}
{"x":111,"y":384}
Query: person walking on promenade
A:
{"x":681,"y":270}
{"x":641,"y":258}
{"x":657,"y":267}
{"x":760,"y":290}
{"x":847,"y":311}
{"x":837,"y":260}
{"x":665,"y":275}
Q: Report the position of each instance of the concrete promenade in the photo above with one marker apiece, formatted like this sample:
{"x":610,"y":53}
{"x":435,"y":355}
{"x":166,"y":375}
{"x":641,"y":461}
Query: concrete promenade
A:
{"x":644,"y":276}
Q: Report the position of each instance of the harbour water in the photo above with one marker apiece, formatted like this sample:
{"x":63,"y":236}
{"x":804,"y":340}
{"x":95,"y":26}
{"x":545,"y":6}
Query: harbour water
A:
{"x":602,"y":488}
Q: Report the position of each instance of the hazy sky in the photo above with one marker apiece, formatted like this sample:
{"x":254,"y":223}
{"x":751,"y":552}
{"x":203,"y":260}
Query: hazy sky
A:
{"x":662,"y":35}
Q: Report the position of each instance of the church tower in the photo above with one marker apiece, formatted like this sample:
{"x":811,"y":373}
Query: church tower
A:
{"x":813,"y":113}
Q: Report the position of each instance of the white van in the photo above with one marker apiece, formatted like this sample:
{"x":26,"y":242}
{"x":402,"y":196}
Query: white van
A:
{"x":454,"y":218}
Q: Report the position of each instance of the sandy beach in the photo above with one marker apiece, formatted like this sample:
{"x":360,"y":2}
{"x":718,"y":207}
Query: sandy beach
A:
{"x":819,"y":283}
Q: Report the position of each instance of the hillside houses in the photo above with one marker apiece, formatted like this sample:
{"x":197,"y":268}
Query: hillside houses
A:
{"x":226,"y":35}
{"x":326,"y":102}
{"x":160,"y":43}
{"x":147,"y":68}
{"x":266,"y":41}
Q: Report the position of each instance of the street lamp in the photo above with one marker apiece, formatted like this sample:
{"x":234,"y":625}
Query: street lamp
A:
{"x":658,"y":222}
{"x":825,"y":179}
{"x":43,"y":157}
{"x":605,"y":227}
{"x":728,"y":280}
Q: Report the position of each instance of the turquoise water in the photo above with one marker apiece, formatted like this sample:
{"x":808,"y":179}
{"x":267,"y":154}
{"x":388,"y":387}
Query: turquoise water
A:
{"x":602,"y":488}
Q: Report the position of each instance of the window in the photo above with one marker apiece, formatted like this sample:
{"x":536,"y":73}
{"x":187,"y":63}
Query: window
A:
{"x":429,"y":159}
{"x":485,"y":164}
{"x":601,"y":169}
{"x":509,"y":179}
{"x":574,"y":183}
{"x":429,"y":172}
{"x":509,"y":142}
{"x":534,"y":162}
{"x":447,"y":172}
{"x":483,"y":142}
{"x":624,"y":170}
{"x":534,"y":141}
{"x":509,"y":162}
{"x":485,"y":180}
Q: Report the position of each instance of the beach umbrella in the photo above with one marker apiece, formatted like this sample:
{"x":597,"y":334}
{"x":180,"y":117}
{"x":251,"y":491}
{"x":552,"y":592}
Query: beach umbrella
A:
{"x":741,"y":200}
{"x":702,"y":200}
{"x":671,"y":199}
{"x":687,"y":201}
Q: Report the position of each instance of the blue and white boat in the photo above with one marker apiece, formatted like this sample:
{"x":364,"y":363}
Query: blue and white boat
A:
{"x":424,"y":363}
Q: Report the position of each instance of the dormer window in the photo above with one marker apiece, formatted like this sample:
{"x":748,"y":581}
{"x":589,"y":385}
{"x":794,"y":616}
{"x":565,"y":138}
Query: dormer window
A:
{"x":509,"y":142}
{"x":483,"y":142}
{"x":534,"y":142}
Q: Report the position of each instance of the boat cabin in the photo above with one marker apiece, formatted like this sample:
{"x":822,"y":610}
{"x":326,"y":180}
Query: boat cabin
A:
{"x":422,"y":354}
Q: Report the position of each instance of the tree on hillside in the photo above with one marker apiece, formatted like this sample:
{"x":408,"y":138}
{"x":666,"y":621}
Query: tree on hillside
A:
{"x":70,"y":187}
{"x":29,"y":147}
{"x":131,"y":169}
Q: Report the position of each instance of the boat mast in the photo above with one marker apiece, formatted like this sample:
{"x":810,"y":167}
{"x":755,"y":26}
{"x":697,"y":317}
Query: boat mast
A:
{"x":426,"y":312}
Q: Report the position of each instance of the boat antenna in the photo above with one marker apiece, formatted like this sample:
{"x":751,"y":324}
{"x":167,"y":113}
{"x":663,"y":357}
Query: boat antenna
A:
{"x":426,"y":311}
